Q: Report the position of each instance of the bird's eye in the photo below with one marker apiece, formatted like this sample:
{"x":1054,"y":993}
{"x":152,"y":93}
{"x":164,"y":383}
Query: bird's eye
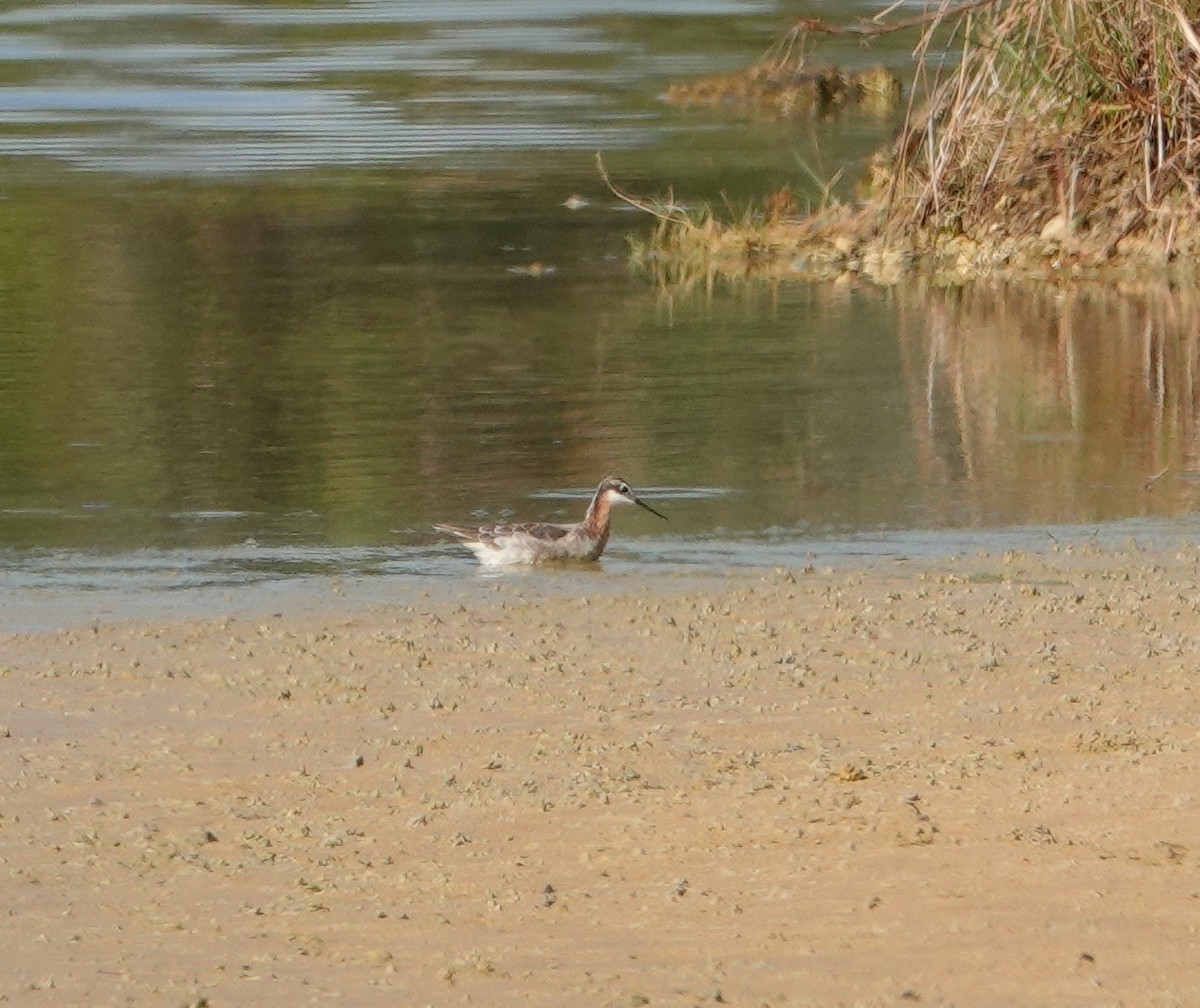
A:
{"x":623,"y":488}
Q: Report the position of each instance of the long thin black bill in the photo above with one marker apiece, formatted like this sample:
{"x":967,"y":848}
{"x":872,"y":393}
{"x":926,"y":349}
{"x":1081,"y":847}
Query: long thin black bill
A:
{"x":642,"y":503}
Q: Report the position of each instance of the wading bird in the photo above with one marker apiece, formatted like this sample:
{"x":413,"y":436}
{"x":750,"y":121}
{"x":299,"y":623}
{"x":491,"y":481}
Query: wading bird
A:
{"x":538,"y":542}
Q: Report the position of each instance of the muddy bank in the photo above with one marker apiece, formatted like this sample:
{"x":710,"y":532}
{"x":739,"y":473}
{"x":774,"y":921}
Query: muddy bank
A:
{"x":973,"y":784}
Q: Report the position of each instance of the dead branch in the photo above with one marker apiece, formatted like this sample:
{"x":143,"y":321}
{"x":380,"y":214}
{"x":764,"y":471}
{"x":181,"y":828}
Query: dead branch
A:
{"x":667,"y":212}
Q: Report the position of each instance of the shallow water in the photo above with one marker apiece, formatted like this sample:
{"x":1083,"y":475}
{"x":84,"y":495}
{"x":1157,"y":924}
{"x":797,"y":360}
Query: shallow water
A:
{"x":281,"y":286}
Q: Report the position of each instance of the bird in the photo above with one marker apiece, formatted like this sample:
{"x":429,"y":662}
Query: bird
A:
{"x":539,"y":542}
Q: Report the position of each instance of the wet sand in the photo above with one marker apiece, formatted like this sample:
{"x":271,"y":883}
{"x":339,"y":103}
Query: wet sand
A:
{"x":968,"y":783}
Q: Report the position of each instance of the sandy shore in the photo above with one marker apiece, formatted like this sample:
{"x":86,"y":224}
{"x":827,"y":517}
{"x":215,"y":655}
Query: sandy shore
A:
{"x":975,"y":785}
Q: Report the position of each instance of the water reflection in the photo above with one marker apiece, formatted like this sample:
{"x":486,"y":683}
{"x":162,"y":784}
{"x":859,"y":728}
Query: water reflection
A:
{"x":215,"y":367}
{"x":1045,"y":404}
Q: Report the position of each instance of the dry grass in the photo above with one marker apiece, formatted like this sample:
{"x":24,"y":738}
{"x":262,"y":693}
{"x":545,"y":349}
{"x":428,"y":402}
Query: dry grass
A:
{"x":1065,"y":140}
{"x":1072,"y":119}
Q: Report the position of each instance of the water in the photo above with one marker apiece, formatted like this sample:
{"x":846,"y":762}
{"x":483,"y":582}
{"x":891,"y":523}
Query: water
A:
{"x":281,"y":286}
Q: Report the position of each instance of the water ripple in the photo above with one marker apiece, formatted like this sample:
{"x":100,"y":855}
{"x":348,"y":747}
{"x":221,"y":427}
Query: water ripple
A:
{"x":362,"y":83}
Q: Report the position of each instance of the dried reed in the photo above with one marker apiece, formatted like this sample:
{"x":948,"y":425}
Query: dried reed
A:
{"x":1070,"y":120}
{"x":1063,"y":136}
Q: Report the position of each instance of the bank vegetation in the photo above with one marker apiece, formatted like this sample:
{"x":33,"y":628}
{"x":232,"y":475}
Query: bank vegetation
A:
{"x":1063,"y":141}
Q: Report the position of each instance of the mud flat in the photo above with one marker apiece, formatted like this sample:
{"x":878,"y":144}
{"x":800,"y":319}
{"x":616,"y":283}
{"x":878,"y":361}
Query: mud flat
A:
{"x":968,"y":783}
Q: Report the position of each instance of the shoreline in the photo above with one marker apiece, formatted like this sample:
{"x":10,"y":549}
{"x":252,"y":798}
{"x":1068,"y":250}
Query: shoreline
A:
{"x":178,"y":586}
{"x":961,"y":781}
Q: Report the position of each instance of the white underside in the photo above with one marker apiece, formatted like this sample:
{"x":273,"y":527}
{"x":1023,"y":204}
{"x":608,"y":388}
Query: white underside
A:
{"x":525,"y":549}
{"x":512,"y":552}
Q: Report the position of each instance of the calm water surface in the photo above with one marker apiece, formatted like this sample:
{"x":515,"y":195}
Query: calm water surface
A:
{"x":283,"y":284}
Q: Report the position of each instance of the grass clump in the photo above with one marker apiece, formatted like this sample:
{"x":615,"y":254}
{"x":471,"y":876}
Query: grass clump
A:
{"x":1064,"y":140}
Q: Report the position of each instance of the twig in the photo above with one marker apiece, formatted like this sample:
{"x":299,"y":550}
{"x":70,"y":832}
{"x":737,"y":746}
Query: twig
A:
{"x":1155,"y":478}
{"x":670,"y":213}
{"x":1185,"y":26}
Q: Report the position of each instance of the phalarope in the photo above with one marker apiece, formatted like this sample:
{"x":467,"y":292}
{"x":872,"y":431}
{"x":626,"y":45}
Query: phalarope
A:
{"x":535,"y":542}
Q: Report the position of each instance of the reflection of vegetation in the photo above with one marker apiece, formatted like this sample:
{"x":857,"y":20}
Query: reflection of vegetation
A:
{"x":364,"y":354}
{"x":348,"y":363}
{"x":1066,"y":140}
{"x":1080,"y":403}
